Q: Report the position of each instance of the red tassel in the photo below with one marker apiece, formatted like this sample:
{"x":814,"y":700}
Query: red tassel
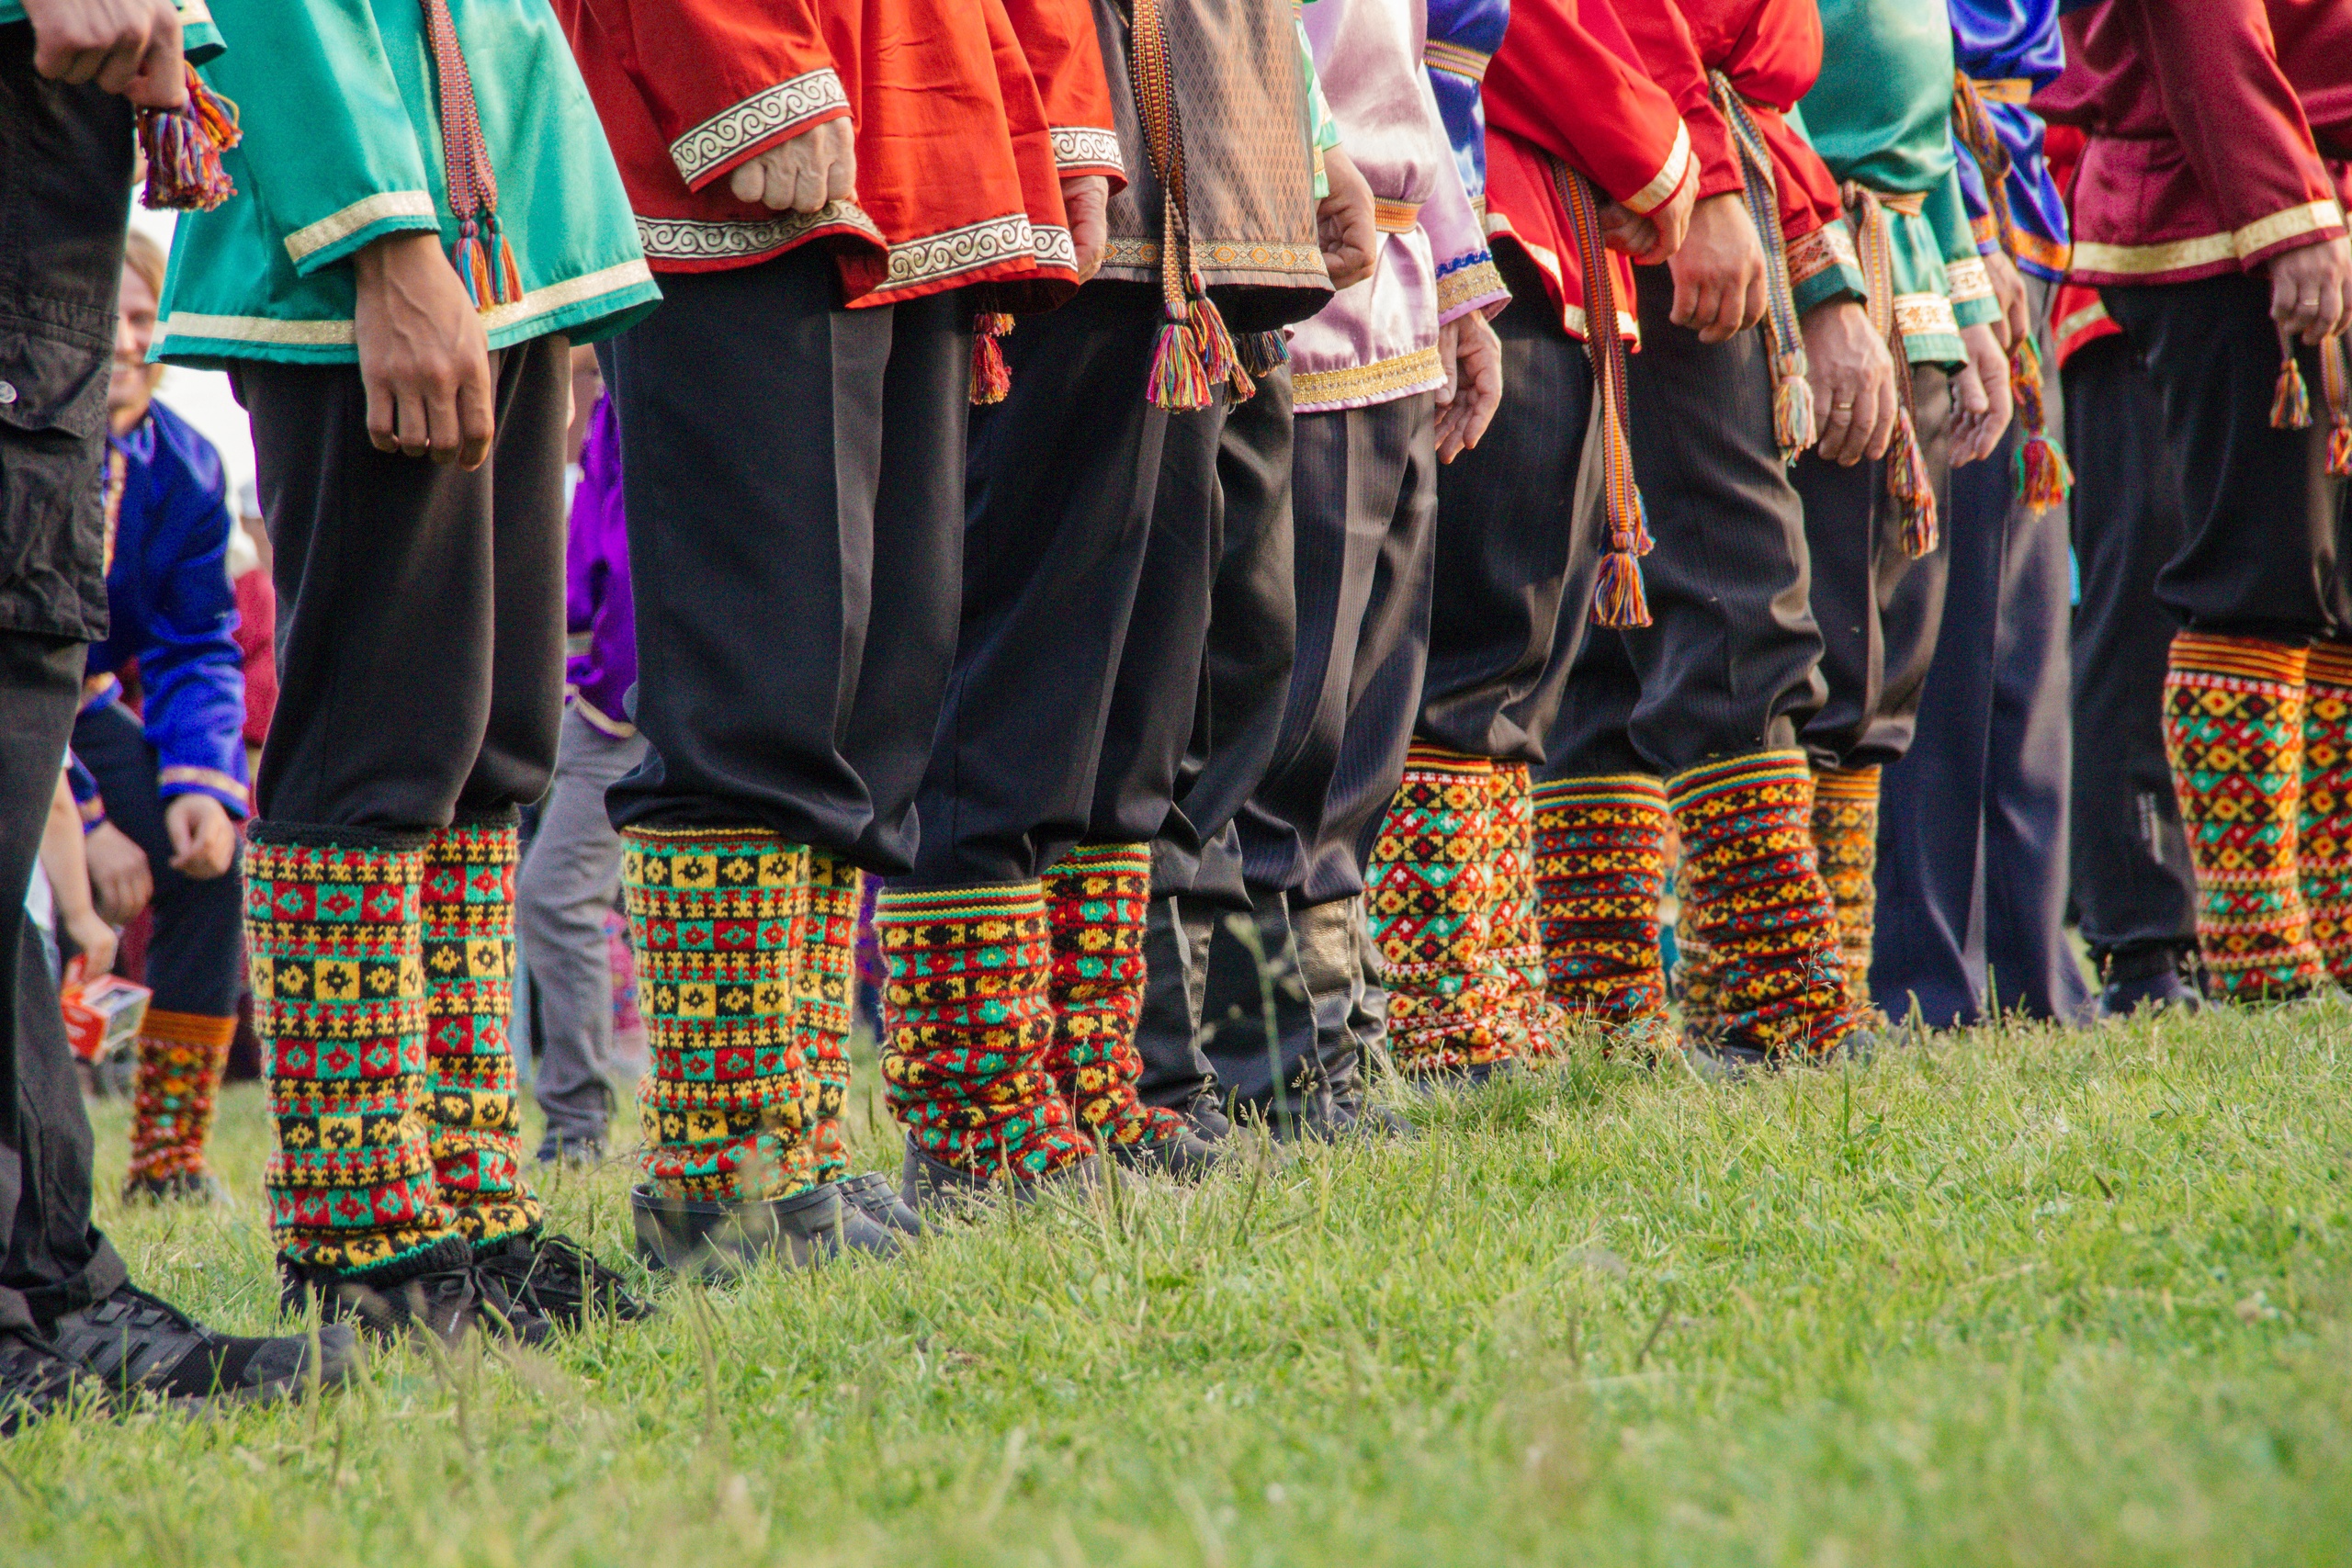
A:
{"x":1910,"y":488}
{"x":2043,"y":474}
{"x":184,"y":147}
{"x":1793,"y":410}
{"x":991,"y":378}
{"x":2290,"y":405}
{"x":2339,"y":451}
{"x":1617,"y":599}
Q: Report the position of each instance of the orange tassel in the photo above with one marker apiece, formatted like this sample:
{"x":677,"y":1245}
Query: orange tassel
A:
{"x":1617,"y":599}
{"x":2043,"y":474}
{"x":1912,"y":491}
{"x":2339,"y":451}
{"x":184,"y":147}
{"x":1792,"y":409}
{"x":991,"y":378}
{"x":2290,"y":405}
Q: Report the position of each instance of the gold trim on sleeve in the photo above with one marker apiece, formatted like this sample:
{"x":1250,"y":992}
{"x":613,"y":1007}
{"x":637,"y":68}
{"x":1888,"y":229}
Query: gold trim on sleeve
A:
{"x":335,"y":227}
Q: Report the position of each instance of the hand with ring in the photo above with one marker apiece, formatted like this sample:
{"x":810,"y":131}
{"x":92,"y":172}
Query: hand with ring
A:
{"x":1853,"y":383}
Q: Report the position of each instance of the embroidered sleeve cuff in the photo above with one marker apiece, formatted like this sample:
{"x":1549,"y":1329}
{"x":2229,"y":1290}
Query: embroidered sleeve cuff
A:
{"x":742,"y":131}
{"x":1823,"y":266}
{"x":1088,"y":149}
{"x":336,"y":236}
{"x":1669,"y":177}
{"x":1970,"y":280}
{"x":2285,"y":230}
{"x":222,"y":787}
{"x":1470,"y":282}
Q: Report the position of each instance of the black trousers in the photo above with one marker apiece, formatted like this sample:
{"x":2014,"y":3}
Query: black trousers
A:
{"x":1367,"y":531}
{"x":1730,"y":655}
{"x":1088,"y":554}
{"x":1973,"y":821}
{"x":2135,"y":888}
{"x":2260,"y":516}
{"x":420,"y":607}
{"x":196,"y":960}
{"x":64,"y":194}
{"x":1879,"y":611}
{"x":794,"y":479}
{"x":1519,"y":543}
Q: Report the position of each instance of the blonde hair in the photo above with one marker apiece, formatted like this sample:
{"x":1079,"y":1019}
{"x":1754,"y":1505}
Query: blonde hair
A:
{"x":143,"y":256}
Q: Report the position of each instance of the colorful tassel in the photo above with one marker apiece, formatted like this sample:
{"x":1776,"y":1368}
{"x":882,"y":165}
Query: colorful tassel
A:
{"x":184,"y":147}
{"x":2335,"y":385}
{"x":484,"y":261}
{"x":1909,"y":487}
{"x":1791,"y":407}
{"x":991,"y":378}
{"x":1791,"y":393}
{"x":1262,"y":352}
{"x":1618,"y":600}
{"x":2290,"y":405}
{"x":2043,"y":475}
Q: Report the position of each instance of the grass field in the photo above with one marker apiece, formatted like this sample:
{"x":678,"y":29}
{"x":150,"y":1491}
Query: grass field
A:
{"x":2013,"y":1297}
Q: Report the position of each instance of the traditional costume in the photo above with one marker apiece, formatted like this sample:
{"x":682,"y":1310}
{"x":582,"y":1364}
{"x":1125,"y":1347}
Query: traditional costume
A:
{"x":792,"y":433}
{"x":1972,"y":834}
{"x":2210,"y":130}
{"x":422,"y":624}
{"x":1691,"y":720}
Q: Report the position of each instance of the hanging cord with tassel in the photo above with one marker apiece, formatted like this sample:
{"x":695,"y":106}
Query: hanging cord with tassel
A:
{"x":1617,"y":599}
{"x":485,"y":262}
{"x":2290,"y":404}
{"x":2335,"y":385}
{"x":2043,"y":476}
{"x":1908,"y":484}
{"x":1791,"y":393}
{"x":991,"y":378}
{"x":184,"y":147}
{"x":1195,"y":351}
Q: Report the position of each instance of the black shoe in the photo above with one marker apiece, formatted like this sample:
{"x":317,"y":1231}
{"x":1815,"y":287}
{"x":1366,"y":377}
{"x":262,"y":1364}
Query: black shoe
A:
{"x":557,"y":1278}
{"x":582,"y":1149}
{"x":712,"y":1239}
{"x":873,"y":1196}
{"x":1181,"y":1154}
{"x":1337,"y":1119}
{"x":1726,"y":1061}
{"x":441,"y":1293}
{"x":180,"y":1187}
{"x":2151,"y":978}
{"x":135,"y":1343}
{"x":1205,"y":1112}
{"x":35,"y":1380}
{"x":931,"y":1187}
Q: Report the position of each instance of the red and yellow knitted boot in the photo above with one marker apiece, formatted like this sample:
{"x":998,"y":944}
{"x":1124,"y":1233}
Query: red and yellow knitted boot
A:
{"x":967,"y":1020}
{"x":2233,"y":730}
{"x":1845,"y":847}
{"x":180,"y":1058}
{"x":467,"y":902}
{"x":2324,"y":847}
{"x":1429,"y":901}
{"x":1096,"y":900}
{"x":714,"y":917}
{"x":1516,"y":975}
{"x":1754,"y":899}
{"x":1599,"y":873}
{"x":822,"y":1022}
{"x":336,"y":957}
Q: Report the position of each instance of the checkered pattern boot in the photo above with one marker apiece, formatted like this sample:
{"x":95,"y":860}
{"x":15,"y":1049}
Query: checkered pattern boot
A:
{"x":1845,"y":846}
{"x":823,"y":1023}
{"x":1516,"y":971}
{"x":1599,"y":875}
{"x":2324,"y":832}
{"x":180,"y":1058}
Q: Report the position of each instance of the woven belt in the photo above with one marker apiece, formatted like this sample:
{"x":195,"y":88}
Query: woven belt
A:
{"x":1792,"y":394}
{"x":1395,"y":216}
{"x":1617,"y":598}
{"x":1909,"y":485}
{"x":2014,"y":90}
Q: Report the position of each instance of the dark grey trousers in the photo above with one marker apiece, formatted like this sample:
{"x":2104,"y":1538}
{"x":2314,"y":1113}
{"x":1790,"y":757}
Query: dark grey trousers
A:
{"x":2134,"y":889}
{"x":1729,"y":660}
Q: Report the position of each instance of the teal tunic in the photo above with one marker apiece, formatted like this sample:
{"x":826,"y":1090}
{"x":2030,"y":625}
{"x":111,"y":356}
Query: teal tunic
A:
{"x":343,"y":146}
{"x":1880,"y":115}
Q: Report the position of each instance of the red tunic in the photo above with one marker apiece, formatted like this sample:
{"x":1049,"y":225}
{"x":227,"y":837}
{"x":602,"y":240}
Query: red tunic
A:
{"x":2201,"y":117}
{"x":1568,"y":84}
{"x":968,"y":116}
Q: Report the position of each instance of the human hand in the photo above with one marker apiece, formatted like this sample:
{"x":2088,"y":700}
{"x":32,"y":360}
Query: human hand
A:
{"x":2016,"y":326}
{"x":803,"y":172}
{"x":119,"y":873}
{"x":1980,"y":402}
{"x":129,"y":47}
{"x":1719,"y":272}
{"x":203,"y":838}
{"x":1343,"y":222}
{"x":2310,"y":291}
{"x":1852,"y":377}
{"x":1473,"y":357}
{"x":1652,"y":237}
{"x":95,"y":939}
{"x":423,"y":355}
{"x":1086,"y":199}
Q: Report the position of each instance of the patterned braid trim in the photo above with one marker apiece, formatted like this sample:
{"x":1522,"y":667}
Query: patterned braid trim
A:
{"x":1599,"y":875}
{"x":335,"y":953}
{"x":180,"y":1058}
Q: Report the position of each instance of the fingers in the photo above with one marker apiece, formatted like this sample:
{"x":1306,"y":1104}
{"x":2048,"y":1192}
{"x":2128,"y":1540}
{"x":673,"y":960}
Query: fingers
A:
{"x":1881,"y":404}
{"x":476,"y":424}
{"x":1757,"y":304}
{"x":1839,"y":443}
{"x":411,"y":431}
{"x":383,"y":415}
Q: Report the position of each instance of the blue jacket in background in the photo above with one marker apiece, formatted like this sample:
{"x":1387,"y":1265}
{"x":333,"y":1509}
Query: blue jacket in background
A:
{"x":2014,"y":42}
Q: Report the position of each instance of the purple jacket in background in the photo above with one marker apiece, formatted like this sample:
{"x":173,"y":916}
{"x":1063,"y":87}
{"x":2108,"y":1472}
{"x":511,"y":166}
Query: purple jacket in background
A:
{"x":600,"y":622}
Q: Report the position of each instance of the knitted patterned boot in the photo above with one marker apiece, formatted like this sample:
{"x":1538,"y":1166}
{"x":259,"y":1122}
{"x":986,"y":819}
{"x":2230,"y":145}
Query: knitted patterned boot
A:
{"x":337,"y":966}
{"x":822,"y":1023}
{"x":1844,"y":847}
{"x":968,"y":1024}
{"x":1431,"y":918}
{"x":1096,"y":900}
{"x":2233,"y":730}
{"x":1516,"y":974}
{"x":713,"y":916}
{"x":466,"y":901}
{"x":2324,"y":832}
{"x":1754,"y":898}
{"x":180,"y":1058}
{"x":1599,"y":873}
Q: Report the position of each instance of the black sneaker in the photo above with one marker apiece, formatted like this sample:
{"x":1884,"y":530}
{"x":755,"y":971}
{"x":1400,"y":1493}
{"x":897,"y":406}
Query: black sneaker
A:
{"x":873,"y":1196}
{"x":35,"y":1380}
{"x":444,"y":1295}
{"x":557,"y":1278}
{"x":135,"y":1343}
{"x":2151,"y":977}
{"x":180,"y":1187}
{"x":577,"y":1150}
{"x":714,"y":1240}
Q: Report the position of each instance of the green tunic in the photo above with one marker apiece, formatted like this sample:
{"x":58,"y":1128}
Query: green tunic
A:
{"x":343,"y":146}
{"x":1880,"y":115}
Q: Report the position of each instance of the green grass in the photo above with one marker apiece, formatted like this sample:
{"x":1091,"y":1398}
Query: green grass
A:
{"x":2015,"y":1297}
